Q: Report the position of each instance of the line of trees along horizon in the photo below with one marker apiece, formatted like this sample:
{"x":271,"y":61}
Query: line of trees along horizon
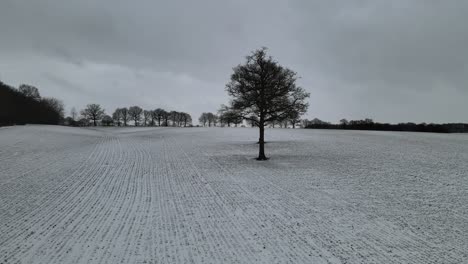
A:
{"x":369,"y":124}
{"x":94,"y":114}
{"x":25,"y":105}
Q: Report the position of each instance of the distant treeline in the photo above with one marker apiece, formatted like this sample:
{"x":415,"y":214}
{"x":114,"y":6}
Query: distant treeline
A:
{"x":94,"y":115}
{"x":25,"y":105}
{"x":369,"y":124}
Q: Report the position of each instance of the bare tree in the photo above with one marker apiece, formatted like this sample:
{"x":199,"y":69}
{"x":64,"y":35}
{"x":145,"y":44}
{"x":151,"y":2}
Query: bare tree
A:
{"x":146,"y":116}
{"x":174,"y":117}
{"x":30,"y":91}
{"x":159,"y":115}
{"x":166,"y":117}
{"x":117,"y":116}
{"x":93,"y":112}
{"x":211,"y":118}
{"x":153,"y":117}
{"x":203,"y":119}
{"x":264,"y":89}
{"x":135,"y":114}
{"x":186,"y":119}
{"x":125,"y":115}
{"x":294,"y":118}
{"x":228,"y":116}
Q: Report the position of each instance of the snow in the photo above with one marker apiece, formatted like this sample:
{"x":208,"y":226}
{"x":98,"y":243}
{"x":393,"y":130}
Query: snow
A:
{"x":196,"y":195}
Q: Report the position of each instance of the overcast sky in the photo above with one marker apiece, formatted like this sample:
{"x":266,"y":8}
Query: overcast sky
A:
{"x":392,"y":60}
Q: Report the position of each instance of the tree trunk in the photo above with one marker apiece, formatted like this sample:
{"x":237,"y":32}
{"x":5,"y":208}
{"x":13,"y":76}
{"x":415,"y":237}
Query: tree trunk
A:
{"x":94,"y":120}
{"x":261,"y":141}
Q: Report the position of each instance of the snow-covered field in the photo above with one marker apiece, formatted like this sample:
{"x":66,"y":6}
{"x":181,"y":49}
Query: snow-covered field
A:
{"x":196,"y":195}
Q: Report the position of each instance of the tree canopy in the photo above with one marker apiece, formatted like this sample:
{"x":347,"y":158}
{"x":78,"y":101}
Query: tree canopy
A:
{"x":93,"y":112}
{"x":262,"y":91}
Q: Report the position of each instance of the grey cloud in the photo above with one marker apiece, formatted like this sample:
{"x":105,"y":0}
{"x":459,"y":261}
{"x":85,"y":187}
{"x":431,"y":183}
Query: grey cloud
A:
{"x":389,"y":60}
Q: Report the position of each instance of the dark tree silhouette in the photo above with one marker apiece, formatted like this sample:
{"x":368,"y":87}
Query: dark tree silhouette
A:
{"x":135,"y":114}
{"x":186,"y":119}
{"x":211,"y":118}
{"x":369,"y":124}
{"x":166,"y":117}
{"x":214,"y":119}
{"x":117,"y":116}
{"x":153,"y":117}
{"x":125,"y":115}
{"x":294,"y":118}
{"x":174,"y":117}
{"x":93,"y":112}
{"x":159,"y":115}
{"x":264,"y":89}
{"x":203,"y":119}
{"x":19,"y":108}
{"x":146,"y":117}
{"x":55,"y":104}
{"x":228,"y":117}
{"x":29,"y":91}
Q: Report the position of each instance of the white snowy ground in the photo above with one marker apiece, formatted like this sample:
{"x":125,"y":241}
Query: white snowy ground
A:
{"x":195,"y":195}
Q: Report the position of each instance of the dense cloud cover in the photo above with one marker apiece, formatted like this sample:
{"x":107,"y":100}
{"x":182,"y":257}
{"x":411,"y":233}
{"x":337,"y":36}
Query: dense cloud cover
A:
{"x":391,"y":61}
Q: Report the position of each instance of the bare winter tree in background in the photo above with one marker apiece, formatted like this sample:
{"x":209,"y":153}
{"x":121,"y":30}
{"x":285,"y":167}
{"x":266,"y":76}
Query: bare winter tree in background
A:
{"x":166,"y":117}
{"x":159,"y":115}
{"x":135,"y":114}
{"x":228,"y":116}
{"x":146,"y":117}
{"x":203,"y":119}
{"x":215,"y":119}
{"x":295,"y":117}
{"x":264,"y":89}
{"x":186,"y":119}
{"x":93,"y":112}
{"x":117,"y":116}
{"x":125,"y":115}
{"x":174,"y":117}
{"x":153,"y":117}
{"x":211,"y":118}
